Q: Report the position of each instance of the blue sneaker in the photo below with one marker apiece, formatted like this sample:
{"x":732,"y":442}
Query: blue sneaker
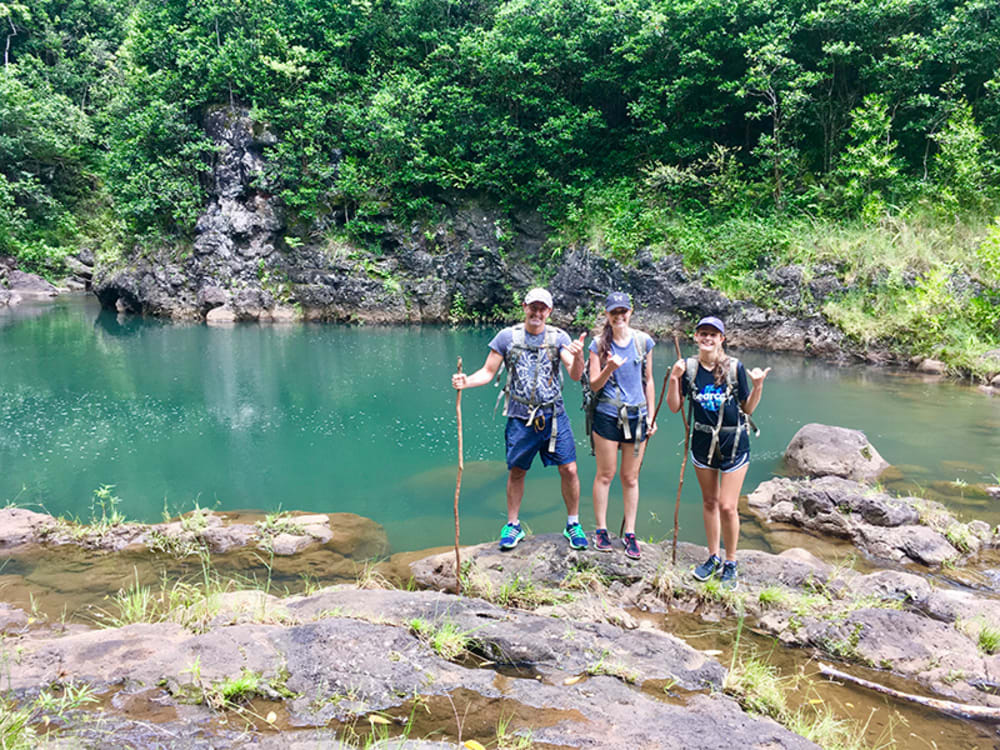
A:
{"x":708,"y":568}
{"x":510,"y":535}
{"x":729,"y":576}
{"x":574,"y":532}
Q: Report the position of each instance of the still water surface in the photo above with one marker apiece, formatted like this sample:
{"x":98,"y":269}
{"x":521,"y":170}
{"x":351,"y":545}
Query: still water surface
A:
{"x":362,"y":419}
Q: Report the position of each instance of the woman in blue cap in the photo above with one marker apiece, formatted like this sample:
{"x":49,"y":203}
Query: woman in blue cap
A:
{"x":721,"y":405}
{"x":621,"y":376}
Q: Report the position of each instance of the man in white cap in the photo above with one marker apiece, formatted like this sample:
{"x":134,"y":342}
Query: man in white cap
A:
{"x":536,"y":417}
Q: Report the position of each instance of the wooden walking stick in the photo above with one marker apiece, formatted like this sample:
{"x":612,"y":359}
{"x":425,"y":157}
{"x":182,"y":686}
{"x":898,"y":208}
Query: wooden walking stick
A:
{"x":458,"y":484}
{"x":680,"y":484}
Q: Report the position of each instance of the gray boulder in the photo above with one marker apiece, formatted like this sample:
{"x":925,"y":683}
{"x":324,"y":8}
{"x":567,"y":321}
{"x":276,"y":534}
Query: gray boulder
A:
{"x":30,"y":285}
{"x":823,"y":450}
{"x":932,"y":367}
{"x":882,"y":526}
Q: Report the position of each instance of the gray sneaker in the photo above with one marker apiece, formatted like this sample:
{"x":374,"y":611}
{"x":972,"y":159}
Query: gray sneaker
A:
{"x":729,"y":576}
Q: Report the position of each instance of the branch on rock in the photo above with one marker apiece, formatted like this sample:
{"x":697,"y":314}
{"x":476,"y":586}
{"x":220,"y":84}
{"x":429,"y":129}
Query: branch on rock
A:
{"x":967,"y":710}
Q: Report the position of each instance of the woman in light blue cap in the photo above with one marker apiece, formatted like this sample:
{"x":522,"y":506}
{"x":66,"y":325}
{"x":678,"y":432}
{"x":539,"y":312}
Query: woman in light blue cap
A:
{"x":621,"y":377}
{"x":721,"y":403}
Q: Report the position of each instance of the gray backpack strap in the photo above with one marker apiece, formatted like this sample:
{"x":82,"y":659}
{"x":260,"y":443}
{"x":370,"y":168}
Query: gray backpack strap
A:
{"x":640,"y":428}
{"x":510,"y":362}
{"x":692,"y":373}
{"x":552,"y":348}
{"x":718,"y":424}
{"x":745,"y":424}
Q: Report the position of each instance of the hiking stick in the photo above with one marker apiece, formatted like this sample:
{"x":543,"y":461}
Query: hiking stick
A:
{"x":458,"y":485}
{"x":680,"y":484}
{"x":663,"y":390}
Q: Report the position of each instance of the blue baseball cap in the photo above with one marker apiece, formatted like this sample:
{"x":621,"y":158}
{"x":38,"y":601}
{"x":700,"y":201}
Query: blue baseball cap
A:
{"x":714,"y":322}
{"x":616,"y":300}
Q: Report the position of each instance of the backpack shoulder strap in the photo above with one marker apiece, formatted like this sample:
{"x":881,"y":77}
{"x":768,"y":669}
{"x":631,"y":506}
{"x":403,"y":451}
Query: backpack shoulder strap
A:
{"x":552,"y":337}
{"x":640,"y":354}
{"x":731,"y":380}
{"x":692,"y":372}
{"x":518,"y":335}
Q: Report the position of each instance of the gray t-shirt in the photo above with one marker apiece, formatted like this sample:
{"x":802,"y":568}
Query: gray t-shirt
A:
{"x":549,"y":387}
{"x":625,"y":383}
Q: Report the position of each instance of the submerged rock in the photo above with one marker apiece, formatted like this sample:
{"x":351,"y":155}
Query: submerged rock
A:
{"x":819,"y":450}
{"x":12,"y":619}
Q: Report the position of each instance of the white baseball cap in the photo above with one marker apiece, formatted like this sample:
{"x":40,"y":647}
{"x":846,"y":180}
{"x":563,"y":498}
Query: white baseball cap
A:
{"x":539,"y":295}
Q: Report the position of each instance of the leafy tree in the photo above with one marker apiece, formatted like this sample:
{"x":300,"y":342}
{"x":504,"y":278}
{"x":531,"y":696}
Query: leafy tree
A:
{"x":868,"y":166}
{"x":962,"y":173}
{"x":43,"y":153}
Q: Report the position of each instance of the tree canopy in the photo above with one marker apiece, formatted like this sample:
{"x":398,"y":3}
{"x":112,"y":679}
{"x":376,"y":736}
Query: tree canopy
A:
{"x":840,"y":107}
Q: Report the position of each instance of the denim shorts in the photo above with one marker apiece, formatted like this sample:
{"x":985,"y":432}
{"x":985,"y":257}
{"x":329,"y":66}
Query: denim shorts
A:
{"x":728,"y":462}
{"x":607,"y":427}
{"x":524,"y":441}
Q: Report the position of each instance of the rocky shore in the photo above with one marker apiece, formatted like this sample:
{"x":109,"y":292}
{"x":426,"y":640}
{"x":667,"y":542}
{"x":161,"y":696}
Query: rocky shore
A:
{"x":546,"y":646}
{"x":17,"y":285}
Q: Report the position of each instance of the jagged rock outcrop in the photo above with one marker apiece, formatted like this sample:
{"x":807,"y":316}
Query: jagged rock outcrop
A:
{"x":234,"y":239}
{"x":244,"y":265}
{"x":668,"y":297}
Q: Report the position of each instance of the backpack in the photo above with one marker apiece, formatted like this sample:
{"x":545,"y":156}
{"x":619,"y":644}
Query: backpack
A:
{"x":513,"y":389}
{"x":744,"y":422}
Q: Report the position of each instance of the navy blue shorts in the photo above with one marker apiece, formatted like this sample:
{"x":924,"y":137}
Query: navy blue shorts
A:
{"x":728,"y":464}
{"x":607,"y":427}
{"x":524,"y":441}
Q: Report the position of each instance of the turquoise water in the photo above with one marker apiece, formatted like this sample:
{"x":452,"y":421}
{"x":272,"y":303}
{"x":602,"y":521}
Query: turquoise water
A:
{"x":362,"y":419}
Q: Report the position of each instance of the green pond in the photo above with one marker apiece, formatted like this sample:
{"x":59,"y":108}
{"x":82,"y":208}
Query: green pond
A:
{"x":329,"y":418}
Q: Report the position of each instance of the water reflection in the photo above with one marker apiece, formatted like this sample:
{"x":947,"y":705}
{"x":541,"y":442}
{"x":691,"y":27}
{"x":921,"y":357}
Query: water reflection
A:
{"x":327,"y":418}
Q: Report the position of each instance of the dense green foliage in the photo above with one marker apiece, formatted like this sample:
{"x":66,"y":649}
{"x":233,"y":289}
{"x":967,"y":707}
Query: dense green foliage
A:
{"x":628,"y":122}
{"x":835,"y":106}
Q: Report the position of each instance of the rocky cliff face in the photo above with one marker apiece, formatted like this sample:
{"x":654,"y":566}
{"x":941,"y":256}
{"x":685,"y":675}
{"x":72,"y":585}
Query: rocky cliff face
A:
{"x":242,"y":267}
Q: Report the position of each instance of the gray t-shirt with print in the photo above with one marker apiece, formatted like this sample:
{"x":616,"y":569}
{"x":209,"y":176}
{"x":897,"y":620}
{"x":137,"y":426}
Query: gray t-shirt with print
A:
{"x":549,"y":385}
{"x":625,"y":383}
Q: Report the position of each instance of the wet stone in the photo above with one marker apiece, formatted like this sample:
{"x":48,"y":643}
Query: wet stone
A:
{"x":826,"y":450}
{"x":12,"y":619}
